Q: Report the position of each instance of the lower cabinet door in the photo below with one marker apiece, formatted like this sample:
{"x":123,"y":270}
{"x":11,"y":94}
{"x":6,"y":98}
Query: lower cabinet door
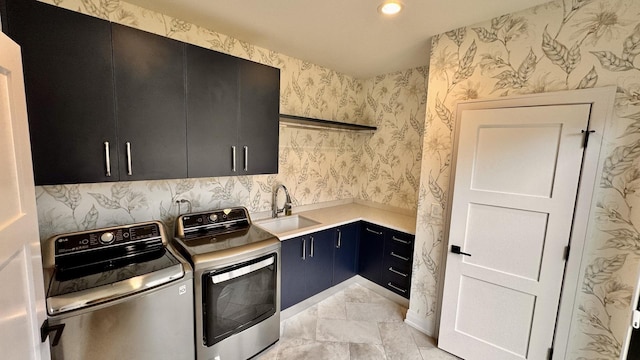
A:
{"x":345,"y":252}
{"x":371,"y":252}
{"x":292,"y":278}
{"x":319,"y":269}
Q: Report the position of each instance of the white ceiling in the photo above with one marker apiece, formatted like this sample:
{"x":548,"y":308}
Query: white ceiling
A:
{"x":349,"y":36}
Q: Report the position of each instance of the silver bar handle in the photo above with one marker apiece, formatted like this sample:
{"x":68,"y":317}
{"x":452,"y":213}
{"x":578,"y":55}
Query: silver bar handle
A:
{"x":375,"y":232}
{"x":401,"y":241}
{"x":312,"y":245}
{"x":339,"y":239}
{"x":246,"y":158}
{"x":399,"y":257}
{"x":397,"y":272}
{"x":233,"y":158}
{"x":107,"y":158}
{"x":304,"y":249}
{"x":242,"y":271}
{"x":129,"y":171}
{"x":397,"y":288}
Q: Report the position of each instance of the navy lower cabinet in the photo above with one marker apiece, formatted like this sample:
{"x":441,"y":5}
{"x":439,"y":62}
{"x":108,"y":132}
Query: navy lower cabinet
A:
{"x":386,"y":257}
{"x":398,"y":259}
{"x":371,"y":252}
{"x":292,"y":276}
{"x":307,"y":266}
{"x":345,"y":252}
{"x":319,"y":271}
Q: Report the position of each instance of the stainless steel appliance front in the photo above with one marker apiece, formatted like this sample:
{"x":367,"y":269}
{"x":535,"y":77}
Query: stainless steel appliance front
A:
{"x":237,"y":283}
{"x":118,"y":293}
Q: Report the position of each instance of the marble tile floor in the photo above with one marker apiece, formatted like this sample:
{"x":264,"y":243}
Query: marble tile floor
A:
{"x":355,"y":323}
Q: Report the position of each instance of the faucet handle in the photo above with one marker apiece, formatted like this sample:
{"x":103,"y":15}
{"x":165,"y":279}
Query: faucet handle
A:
{"x":287,"y":209}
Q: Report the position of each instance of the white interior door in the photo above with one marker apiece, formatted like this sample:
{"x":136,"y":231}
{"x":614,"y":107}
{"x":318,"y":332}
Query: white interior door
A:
{"x":22,"y":308}
{"x":516,"y":180}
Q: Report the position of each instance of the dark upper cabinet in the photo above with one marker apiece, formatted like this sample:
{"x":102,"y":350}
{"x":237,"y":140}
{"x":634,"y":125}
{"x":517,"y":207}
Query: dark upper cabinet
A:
{"x":212,"y":111}
{"x":150,"y":105}
{"x":371,"y":252}
{"x":68,"y":74}
{"x":345,"y":252}
{"x":232,"y":115}
{"x":108,"y":102}
{"x":259,"y":118}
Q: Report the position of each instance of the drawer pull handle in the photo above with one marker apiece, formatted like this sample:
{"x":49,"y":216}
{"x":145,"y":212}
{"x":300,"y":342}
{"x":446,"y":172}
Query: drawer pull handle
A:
{"x":401,"y":241}
{"x":375,"y":232}
{"x":397,"y":272}
{"x":399,"y":256}
{"x":397,"y":288}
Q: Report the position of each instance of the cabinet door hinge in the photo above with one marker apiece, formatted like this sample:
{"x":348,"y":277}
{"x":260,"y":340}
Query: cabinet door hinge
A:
{"x":586,"y":133}
{"x":550,"y":354}
{"x":566,"y":252}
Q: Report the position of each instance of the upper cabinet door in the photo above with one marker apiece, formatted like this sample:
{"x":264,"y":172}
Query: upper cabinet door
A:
{"x":258,"y":128}
{"x":212,"y":112}
{"x":69,"y":86}
{"x":150,"y":102}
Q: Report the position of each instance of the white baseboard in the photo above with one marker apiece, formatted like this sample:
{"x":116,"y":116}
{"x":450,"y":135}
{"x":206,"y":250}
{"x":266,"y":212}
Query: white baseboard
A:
{"x":421,"y":324}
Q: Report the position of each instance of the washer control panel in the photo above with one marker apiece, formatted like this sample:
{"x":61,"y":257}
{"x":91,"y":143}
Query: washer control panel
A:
{"x":213,"y":219}
{"x":97,"y":239}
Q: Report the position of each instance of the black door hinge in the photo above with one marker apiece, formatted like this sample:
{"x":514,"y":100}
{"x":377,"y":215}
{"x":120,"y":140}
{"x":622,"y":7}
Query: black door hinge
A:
{"x":566,"y":252}
{"x":550,"y":354}
{"x":586,"y":133}
{"x":45,"y":329}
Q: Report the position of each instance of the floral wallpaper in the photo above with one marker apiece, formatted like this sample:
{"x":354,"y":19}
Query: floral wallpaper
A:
{"x":562,"y":45}
{"x":316,"y":166}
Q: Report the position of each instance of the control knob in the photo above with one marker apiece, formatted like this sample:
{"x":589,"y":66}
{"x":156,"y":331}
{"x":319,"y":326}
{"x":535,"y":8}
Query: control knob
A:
{"x":107,"y":238}
{"x":213,"y":217}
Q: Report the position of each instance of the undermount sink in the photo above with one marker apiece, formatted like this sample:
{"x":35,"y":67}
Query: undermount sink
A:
{"x":285,"y":224}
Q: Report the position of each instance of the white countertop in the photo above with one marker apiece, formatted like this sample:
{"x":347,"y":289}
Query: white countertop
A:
{"x":332,"y":216}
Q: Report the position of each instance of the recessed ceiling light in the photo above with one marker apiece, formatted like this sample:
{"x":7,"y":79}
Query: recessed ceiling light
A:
{"x":390,"y":7}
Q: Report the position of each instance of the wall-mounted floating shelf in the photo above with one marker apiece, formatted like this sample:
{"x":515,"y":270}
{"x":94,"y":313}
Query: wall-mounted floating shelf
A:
{"x":305,"y":122}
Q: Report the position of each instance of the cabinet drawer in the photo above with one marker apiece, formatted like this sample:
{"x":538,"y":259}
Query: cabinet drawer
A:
{"x":400,"y":288}
{"x":372,"y":230}
{"x":397,"y":276}
{"x":400,"y":239}
{"x":399,"y":264}
{"x":398,"y":249}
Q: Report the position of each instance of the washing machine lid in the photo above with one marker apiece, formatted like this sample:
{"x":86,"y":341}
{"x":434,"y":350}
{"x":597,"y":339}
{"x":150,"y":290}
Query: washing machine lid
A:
{"x":95,"y":288}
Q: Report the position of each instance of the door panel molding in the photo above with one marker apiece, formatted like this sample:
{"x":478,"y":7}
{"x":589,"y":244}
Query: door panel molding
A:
{"x":602,"y":102}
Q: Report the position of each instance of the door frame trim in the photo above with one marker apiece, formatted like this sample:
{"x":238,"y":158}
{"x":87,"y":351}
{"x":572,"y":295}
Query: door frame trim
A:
{"x":602,"y":103}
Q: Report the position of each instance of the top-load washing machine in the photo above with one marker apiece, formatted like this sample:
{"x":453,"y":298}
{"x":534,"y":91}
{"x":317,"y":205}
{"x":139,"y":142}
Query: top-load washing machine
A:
{"x":118,"y":293}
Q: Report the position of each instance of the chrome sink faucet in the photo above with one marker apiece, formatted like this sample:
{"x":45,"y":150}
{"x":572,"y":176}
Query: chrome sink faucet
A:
{"x":287,"y":204}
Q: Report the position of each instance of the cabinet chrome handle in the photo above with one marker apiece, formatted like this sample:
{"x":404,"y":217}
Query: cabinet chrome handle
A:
{"x":129,"y":171}
{"x":375,"y":232}
{"x":399,"y":256}
{"x":312,"y":246}
{"x":107,"y":159}
{"x":397,"y":288}
{"x":233,"y":158}
{"x":246,"y":158}
{"x":400,"y":240}
{"x":304,"y":249}
{"x":339,"y":238}
{"x":397,"y":272}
